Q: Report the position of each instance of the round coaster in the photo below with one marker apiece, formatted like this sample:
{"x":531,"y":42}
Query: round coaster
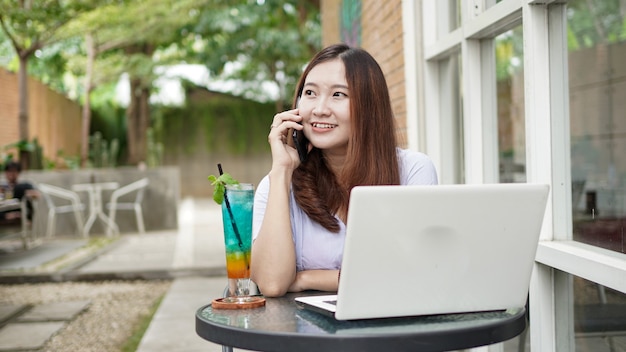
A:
{"x":238,"y":302}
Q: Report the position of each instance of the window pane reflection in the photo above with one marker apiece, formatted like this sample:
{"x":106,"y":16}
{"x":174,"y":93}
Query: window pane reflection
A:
{"x":599,"y":317}
{"x":510,"y":102}
{"x":457,"y":14}
{"x":449,"y":14}
{"x":597,"y":88}
{"x":458,"y":124}
{"x":489,"y":3}
{"x":452,"y":169}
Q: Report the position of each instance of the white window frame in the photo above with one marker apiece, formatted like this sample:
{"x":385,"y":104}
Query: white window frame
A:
{"x":547,"y":136}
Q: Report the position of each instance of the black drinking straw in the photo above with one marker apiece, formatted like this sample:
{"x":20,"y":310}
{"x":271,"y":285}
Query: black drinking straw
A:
{"x":230,"y":214}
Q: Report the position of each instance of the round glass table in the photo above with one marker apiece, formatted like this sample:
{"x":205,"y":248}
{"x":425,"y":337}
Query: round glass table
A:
{"x":281,"y":325}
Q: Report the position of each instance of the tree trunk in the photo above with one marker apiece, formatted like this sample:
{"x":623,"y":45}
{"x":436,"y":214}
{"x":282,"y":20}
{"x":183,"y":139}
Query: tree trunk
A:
{"x":22,"y":84}
{"x":143,"y":122}
{"x":137,"y":122}
{"x":131,"y":116}
{"x":138,"y":112}
{"x":86,"y":114}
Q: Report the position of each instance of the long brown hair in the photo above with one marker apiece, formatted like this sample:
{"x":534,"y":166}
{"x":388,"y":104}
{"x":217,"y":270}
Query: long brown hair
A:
{"x":371,"y":157}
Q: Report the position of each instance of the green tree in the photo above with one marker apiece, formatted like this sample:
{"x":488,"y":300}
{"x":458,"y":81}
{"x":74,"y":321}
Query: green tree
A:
{"x":115,"y":43}
{"x":29,"y":26}
{"x":270,"y":40}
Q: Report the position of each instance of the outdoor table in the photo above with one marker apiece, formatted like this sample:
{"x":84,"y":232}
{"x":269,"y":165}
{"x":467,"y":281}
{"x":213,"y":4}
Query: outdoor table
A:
{"x":94,"y":193}
{"x":283,"y":326}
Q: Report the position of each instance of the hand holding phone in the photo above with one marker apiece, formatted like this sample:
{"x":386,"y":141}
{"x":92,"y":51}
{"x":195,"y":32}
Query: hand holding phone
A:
{"x":300,"y":141}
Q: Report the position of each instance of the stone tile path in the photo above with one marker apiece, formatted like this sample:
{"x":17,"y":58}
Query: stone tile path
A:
{"x":25,"y":328}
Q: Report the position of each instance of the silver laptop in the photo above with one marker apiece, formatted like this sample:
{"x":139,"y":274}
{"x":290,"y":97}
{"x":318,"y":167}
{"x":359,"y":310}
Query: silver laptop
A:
{"x":423,"y":250}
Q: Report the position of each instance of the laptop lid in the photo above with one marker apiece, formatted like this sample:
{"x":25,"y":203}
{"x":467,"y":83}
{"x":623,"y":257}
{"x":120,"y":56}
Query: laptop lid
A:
{"x":418,"y":250}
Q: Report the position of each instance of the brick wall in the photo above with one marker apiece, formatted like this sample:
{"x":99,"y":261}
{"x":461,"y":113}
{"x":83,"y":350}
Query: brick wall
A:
{"x":381,"y":36}
{"x":54,"y":119}
{"x":331,"y":21}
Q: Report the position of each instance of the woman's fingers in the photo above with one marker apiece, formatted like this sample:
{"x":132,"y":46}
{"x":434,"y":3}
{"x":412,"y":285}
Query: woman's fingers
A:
{"x":282,"y":123}
{"x":280,"y":128}
{"x":285,"y":116}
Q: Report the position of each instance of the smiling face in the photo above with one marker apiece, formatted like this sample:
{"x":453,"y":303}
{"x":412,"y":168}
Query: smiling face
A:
{"x":325,"y":107}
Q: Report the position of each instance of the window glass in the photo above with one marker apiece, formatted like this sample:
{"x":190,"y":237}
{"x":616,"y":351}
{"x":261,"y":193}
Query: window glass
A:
{"x":510,"y":106}
{"x":458,"y":117}
{"x":456,"y":5}
{"x":489,"y":3}
{"x":597,"y":93}
{"x":452,"y":118}
{"x":449,"y":16}
{"x":599,"y":317}
{"x":599,"y":320}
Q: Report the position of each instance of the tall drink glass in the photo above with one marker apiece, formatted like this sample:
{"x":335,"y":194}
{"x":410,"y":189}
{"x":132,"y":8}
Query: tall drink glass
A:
{"x":237,"y":219}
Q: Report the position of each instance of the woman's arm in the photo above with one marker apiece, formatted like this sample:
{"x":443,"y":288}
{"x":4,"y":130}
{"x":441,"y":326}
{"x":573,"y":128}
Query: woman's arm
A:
{"x":321,"y":280}
{"x":273,"y":266}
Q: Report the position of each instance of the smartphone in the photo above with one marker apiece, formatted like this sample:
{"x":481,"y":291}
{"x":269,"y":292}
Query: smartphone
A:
{"x":300,"y":141}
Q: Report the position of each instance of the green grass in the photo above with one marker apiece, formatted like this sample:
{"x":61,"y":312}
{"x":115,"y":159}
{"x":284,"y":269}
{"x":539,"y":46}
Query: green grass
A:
{"x":93,"y":245}
{"x":133,"y":342}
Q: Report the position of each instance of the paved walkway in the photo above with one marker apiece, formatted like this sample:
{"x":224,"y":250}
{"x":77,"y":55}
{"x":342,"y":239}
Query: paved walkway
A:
{"x":193,"y":256}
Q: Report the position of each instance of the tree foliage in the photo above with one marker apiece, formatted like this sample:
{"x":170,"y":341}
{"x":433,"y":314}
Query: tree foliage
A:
{"x":30,"y":25}
{"x":96,"y":41}
{"x":270,"y":40}
{"x":589,"y":23}
{"x":593,"y":22}
{"x":128,"y":45}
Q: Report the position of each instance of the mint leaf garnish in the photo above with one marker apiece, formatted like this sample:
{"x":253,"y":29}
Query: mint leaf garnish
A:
{"x":219,"y":186}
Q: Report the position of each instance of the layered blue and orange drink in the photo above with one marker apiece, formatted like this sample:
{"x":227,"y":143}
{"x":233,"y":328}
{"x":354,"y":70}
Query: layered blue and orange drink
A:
{"x":237,"y":219}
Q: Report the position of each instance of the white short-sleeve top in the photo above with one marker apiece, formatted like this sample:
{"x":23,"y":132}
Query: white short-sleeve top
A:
{"x":318,"y":248}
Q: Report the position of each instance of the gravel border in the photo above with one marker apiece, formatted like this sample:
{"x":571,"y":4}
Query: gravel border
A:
{"x":115,"y":311}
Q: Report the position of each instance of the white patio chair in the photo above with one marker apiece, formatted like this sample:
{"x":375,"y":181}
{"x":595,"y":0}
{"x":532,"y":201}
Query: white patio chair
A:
{"x":114,"y":205}
{"x":27,"y":233}
{"x":21,"y":226}
{"x":76,"y":207}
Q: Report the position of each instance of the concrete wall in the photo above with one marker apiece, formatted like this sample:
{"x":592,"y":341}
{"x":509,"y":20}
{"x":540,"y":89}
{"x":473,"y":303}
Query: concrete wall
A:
{"x":160,"y":204}
{"x":195,"y":169}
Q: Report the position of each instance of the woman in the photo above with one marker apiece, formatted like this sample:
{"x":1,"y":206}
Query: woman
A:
{"x":343,"y":108}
